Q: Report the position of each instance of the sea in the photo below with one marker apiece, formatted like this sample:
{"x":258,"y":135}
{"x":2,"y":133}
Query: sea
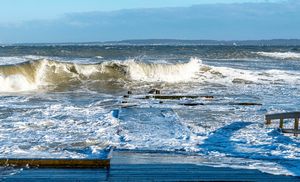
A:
{"x":77,"y":100}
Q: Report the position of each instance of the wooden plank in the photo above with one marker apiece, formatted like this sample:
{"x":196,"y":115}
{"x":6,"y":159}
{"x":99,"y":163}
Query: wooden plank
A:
{"x":191,"y":104}
{"x":246,"y":104}
{"x":296,"y":126}
{"x":268,"y":121}
{"x":56,"y":163}
{"x":287,"y":115}
{"x":290,"y":131}
{"x":281,"y":123}
{"x":177,"y":97}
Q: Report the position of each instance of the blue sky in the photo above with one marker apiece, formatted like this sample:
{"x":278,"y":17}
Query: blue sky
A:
{"x":12,"y":11}
{"x":104,"y":20}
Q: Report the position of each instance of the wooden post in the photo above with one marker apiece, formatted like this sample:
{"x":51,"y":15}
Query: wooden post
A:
{"x":281,"y":123}
{"x":268,"y":121}
{"x":296,"y":126}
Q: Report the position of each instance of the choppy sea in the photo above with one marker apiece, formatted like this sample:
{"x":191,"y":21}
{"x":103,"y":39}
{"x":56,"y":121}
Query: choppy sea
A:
{"x":60,"y":101}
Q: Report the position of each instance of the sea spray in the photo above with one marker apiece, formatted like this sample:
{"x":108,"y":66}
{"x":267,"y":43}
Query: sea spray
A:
{"x":21,"y":77}
{"x":180,"y":72}
{"x":72,"y":118}
{"x":46,"y":74}
{"x":280,"y":55}
{"x":32,"y":75}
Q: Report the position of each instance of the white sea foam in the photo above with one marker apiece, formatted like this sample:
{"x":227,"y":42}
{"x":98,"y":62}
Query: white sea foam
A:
{"x":280,"y":55}
{"x":11,"y":60}
{"x":7,"y":60}
{"x":57,"y":131}
{"x":160,"y":127}
{"x":181,"y":72}
{"x":228,"y":76}
{"x":16,"y":83}
{"x":32,"y":75}
{"x":79,"y":123}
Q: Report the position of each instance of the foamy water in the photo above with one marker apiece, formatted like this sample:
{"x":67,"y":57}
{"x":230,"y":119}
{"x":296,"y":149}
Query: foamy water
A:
{"x":62,"y":106}
{"x":280,"y":55}
{"x":32,"y":75}
{"x":164,"y":72}
{"x":37,"y":74}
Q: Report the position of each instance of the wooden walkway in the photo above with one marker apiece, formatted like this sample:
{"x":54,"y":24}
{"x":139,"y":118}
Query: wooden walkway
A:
{"x":57,"y":163}
{"x":281,"y":117}
{"x":128,"y":166}
{"x":101,"y":162}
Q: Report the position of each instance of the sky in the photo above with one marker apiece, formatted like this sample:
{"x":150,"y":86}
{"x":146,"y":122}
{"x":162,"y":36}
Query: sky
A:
{"x":109,"y":20}
{"x":12,"y":11}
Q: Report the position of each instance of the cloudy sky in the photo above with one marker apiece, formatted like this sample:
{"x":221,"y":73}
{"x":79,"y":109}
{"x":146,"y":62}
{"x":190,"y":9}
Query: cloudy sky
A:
{"x":107,"y":20}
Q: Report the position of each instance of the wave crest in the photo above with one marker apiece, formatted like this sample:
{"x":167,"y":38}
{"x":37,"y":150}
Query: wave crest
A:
{"x":180,"y":72}
{"x":32,"y":75}
{"x":280,"y":55}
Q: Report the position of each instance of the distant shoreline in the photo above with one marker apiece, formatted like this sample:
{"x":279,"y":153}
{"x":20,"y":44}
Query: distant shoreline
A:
{"x":174,"y":42}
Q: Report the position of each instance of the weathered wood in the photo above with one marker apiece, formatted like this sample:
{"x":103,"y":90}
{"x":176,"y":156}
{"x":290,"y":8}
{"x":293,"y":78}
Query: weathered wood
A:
{"x":191,"y":104}
{"x":126,"y":105}
{"x":287,"y":115}
{"x":246,"y":104}
{"x":268,"y":121}
{"x":290,"y":131}
{"x":296,"y":126}
{"x":154,"y":91}
{"x":56,"y":163}
{"x":281,"y":123}
{"x":281,"y":117}
{"x":177,"y":97}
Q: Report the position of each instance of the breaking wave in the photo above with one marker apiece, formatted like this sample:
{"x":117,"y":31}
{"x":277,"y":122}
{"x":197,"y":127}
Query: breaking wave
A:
{"x":280,"y":55}
{"x":32,"y":75}
{"x":112,"y":75}
{"x":163,"y":72}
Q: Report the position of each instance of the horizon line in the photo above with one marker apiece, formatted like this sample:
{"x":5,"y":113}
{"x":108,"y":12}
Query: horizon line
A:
{"x":140,"y":41}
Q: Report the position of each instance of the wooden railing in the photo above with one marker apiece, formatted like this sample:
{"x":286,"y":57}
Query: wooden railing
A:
{"x":281,"y":117}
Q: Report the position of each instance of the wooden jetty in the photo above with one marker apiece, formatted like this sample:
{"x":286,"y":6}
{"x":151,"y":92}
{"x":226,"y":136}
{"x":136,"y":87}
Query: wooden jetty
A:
{"x":56,"y":163}
{"x":246,"y":104}
{"x":177,"y":97}
{"x":156,"y":94}
{"x":59,"y":162}
{"x":281,"y":117}
{"x":137,"y":166}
